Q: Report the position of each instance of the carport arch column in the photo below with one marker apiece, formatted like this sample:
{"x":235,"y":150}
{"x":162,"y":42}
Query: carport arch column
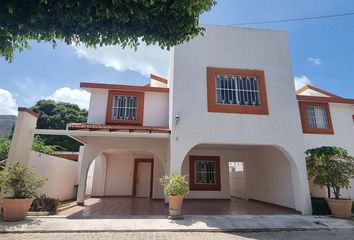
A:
{"x":84,"y":164}
{"x":299,"y":177}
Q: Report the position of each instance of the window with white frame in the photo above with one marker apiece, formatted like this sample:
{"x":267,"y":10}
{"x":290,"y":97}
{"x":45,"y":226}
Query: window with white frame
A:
{"x":124,"y":107}
{"x":317,"y":117}
{"x":237,"y":90}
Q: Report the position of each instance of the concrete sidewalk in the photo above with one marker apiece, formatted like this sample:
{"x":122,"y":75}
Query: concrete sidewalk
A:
{"x":197,"y":223}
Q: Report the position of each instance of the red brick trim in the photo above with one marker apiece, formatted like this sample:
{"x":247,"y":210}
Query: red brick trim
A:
{"x":123,"y":87}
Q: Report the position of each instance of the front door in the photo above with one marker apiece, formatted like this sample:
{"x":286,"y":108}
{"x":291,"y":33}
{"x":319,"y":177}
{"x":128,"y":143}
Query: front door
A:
{"x":143,"y":180}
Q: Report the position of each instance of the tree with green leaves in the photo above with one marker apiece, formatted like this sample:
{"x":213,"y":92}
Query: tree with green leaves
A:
{"x":55,"y":115}
{"x":99,"y":22}
{"x":331,"y":167}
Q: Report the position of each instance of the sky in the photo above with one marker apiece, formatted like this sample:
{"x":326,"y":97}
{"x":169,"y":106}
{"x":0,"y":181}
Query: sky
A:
{"x":322,"y":53}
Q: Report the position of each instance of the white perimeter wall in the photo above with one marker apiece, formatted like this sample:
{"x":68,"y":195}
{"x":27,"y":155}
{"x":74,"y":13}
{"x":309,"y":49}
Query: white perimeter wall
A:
{"x":60,"y":172}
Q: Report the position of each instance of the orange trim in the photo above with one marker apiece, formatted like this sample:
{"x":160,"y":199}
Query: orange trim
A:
{"x":123,"y":87}
{"x":140,"y":111}
{"x":214,"y":107}
{"x":136,"y":161}
{"x":204,"y":187}
{"x":306,"y":87}
{"x":69,"y":156}
{"x":158,"y":78}
{"x":324,"y":99}
{"x":304,"y":119}
{"x":24,"y":109}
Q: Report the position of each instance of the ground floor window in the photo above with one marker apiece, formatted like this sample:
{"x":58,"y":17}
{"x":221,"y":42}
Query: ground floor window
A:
{"x":204,"y":173}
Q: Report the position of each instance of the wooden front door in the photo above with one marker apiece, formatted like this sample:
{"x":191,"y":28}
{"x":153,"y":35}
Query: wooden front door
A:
{"x":143,"y":175}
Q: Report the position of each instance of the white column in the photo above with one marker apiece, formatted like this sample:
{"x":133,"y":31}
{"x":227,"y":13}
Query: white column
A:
{"x":21,"y":144}
{"x":84,"y":166}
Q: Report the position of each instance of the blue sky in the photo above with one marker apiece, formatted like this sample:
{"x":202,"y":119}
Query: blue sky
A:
{"x":322,"y":54}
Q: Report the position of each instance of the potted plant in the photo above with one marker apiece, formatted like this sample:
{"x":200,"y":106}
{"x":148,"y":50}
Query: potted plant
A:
{"x":19,"y":183}
{"x":176,"y":188}
{"x":332,"y":167}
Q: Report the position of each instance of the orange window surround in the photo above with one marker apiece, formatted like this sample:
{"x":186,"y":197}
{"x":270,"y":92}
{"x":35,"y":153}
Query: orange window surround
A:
{"x":305,"y":120}
{"x":213,"y":106}
{"x":139,"y":112}
{"x":193,"y":185}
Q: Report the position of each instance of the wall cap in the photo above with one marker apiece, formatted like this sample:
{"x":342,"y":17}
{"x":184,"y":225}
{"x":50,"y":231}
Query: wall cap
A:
{"x":24,"y":109}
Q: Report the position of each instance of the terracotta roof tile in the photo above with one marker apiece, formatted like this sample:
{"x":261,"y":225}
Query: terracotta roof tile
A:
{"x":131,"y":128}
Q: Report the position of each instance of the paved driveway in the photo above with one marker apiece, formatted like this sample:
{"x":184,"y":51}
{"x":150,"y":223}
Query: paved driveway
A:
{"x":311,"y":235}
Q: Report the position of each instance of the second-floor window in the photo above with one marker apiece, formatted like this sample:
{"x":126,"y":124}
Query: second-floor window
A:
{"x":236,"y":91}
{"x":315,"y":118}
{"x":124,"y":107}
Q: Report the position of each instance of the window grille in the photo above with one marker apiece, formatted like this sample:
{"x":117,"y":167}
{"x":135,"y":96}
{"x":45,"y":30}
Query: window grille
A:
{"x":237,"y":90}
{"x":124,"y":108}
{"x":205,"y":172}
{"x":317,"y":117}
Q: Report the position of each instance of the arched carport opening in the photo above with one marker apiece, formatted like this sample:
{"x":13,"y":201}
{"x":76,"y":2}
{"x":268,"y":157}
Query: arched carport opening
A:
{"x":117,"y":172}
{"x":267,"y":176}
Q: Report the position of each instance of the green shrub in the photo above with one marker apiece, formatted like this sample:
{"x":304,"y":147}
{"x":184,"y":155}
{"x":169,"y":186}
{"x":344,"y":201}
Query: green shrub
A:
{"x":19,"y":181}
{"x":45,"y":204}
{"x":331,"y":167}
{"x":175,"y":185}
{"x":320,"y":206}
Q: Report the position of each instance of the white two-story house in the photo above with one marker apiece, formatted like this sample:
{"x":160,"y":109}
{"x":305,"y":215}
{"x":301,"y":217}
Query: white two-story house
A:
{"x":228,"y":104}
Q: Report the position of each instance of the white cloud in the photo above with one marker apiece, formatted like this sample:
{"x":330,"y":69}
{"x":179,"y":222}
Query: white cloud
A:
{"x":301,"y":81}
{"x":7,"y":103}
{"x":76,"y":96}
{"x":145,"y":60}
{"x":314,"y":61}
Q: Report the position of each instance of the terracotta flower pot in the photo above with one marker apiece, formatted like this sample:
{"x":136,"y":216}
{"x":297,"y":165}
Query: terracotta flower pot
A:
{"x":16,"y":209}
{"x":175,"y":205}
{"x":340,"y":208}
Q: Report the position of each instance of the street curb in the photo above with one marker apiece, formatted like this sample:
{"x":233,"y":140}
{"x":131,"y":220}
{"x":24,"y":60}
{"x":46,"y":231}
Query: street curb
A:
{"x":241,"y":230}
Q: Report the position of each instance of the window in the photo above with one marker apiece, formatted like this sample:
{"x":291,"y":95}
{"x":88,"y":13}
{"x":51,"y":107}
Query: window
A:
{"x":236,"y":91}
{"x":125,"y":107}
{"x":204,"y":173}
{"x":236,"y":166}
{"x":315,"y":118}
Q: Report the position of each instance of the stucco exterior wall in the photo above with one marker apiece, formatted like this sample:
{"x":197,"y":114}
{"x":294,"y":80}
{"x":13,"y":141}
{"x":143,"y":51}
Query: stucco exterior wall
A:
{"x":61,"y":174}
{"x":98,"y":106}
{"x":155,"y":108}
{"x":270,"y":179}
{"x":245,"y":48}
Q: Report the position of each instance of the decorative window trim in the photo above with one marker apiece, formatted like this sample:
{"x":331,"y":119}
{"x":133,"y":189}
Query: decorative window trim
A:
{"x":214,"y":107}
{"x":203,"y":187}
{"x":140,"y":110}
{"x":304,"y":118}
